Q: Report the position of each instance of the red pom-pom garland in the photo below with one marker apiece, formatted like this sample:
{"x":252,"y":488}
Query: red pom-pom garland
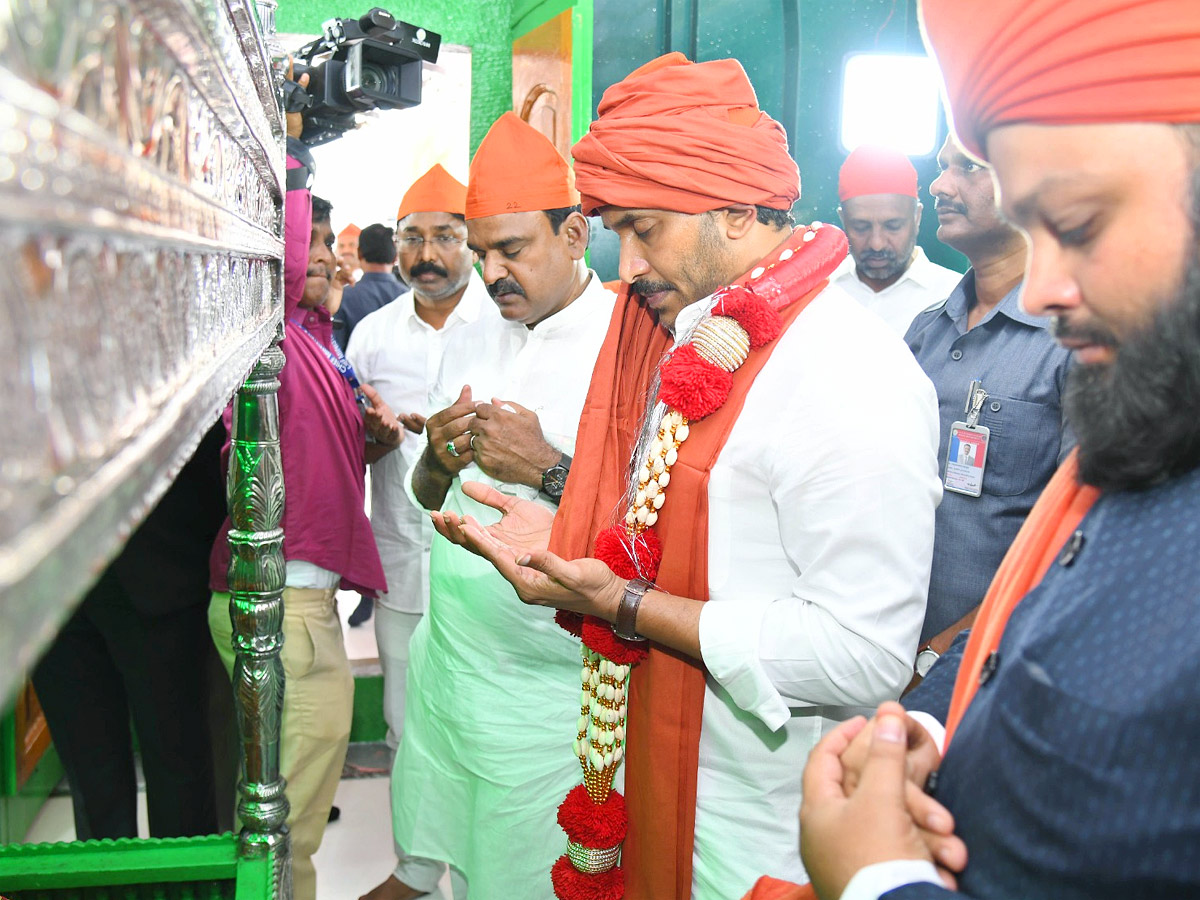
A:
{"x":693,"y":385}
{"x":762,"y":323}
{"x":694,"y":381}
{"x":593,"y":825}
{"x":599,"y":636}
{"x":571,"y":884}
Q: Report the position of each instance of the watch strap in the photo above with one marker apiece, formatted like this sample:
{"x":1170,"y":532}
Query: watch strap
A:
{"x":626,"y":625}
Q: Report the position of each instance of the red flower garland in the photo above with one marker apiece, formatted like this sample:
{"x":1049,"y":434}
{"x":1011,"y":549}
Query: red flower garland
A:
{"x":593,"y":825}
{"x":695,"y":388}
{"x":693,"y":385}
{"x":762,"y":323}
{"x":571,"y":884}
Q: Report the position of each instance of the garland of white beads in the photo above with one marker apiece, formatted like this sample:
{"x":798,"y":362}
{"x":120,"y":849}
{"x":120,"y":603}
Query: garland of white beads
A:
{"x":600,"y":744}
{"x":655,"y":473}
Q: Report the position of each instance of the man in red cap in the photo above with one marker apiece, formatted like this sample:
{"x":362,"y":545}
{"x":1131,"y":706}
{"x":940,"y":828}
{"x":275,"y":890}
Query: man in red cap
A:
{"x":886,"y":271}
{"x":493,"y":692}
{"x":399,"y":350}
{"x":749,"y":519}
{"x":1069,"y":767}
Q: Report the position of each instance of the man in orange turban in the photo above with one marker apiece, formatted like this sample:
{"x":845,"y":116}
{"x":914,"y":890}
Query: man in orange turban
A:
{"x":1067,"y":720}
{"x":762,"y":563}
{"x":493,"y":691}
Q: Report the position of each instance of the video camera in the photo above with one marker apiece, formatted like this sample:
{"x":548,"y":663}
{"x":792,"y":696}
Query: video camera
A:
{"x":373,"y":62}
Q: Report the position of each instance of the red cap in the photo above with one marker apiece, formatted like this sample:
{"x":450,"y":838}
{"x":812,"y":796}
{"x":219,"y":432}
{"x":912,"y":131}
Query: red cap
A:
{"x":876,"y":170}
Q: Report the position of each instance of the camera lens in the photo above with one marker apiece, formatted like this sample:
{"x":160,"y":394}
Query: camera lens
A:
{"x":373,"y":77}
{"x":381,"y":79}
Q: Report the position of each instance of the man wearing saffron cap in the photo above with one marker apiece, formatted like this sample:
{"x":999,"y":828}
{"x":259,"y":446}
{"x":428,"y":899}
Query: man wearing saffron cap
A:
{"x":493,"y":691}
{"x":1069,"y":768}
{"x":347,"y":247}
{"x":786,"y":475}
{"x":886,"y":271}
{"x":399,"y":350}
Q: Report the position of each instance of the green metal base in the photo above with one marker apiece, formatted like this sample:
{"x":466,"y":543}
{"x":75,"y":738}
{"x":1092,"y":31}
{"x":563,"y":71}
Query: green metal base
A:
{"x":19,"y":807}
{"x":368,"y":724}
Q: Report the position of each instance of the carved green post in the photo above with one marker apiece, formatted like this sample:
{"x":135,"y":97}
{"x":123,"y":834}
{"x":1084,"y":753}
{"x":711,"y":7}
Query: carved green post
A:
{"x":256,"y":579}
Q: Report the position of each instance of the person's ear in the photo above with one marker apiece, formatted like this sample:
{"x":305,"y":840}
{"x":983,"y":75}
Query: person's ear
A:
{"x":738,"y":220}
{"x":576,"y":232}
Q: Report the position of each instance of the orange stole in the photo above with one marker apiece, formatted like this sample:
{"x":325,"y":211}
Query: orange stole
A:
{"x":1053,"y":519}
{"x":667,"y":689}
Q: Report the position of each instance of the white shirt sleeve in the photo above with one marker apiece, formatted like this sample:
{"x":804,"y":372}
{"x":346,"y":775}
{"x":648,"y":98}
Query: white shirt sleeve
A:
{"x":936,"y":729}
{"x":872,"y":882}
{"x":852,"y":493}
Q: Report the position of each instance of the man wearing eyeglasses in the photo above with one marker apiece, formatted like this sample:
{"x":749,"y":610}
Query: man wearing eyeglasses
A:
{"x":398,"y":350}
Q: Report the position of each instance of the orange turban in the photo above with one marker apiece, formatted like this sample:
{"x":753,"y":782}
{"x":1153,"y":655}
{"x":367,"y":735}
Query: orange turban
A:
{"x":435,"y":191}
{"x":1065,"y":62}
{"x":350,"y":230}
{"x":517,"y":169}
{"x":876,"y":170}
{"x":686,"y":137}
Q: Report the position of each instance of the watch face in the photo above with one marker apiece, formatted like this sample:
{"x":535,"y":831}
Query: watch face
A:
{"x":554,"y":480}
{"x":925,"y":660}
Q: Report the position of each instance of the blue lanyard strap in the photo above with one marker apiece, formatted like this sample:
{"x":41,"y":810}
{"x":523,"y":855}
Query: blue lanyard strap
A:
{"x":339,"y":362}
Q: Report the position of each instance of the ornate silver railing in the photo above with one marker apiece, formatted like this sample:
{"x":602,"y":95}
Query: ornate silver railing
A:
{"x":141,"y":171}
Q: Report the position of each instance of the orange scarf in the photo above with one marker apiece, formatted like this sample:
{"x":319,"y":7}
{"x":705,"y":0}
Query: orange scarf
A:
{"x":667,"y":688}
{"x":1053,"y":519}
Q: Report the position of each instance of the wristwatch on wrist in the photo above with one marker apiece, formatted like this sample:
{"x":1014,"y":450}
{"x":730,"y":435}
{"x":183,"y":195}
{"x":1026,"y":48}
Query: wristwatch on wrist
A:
{"x":554,"y":479}
{"x":626,"y":625}
{"x":925,"y":660}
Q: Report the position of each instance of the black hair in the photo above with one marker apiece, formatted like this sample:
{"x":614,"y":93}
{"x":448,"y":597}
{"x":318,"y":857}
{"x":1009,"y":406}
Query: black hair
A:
{"x":322,"y":209}
{"x":375,"y":245}
{"x":558,"y":216}
{"x":780,"y":218}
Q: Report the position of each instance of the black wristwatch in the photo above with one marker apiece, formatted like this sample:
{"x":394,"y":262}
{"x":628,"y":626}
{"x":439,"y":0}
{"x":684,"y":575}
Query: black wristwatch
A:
{"x":554,"y":479}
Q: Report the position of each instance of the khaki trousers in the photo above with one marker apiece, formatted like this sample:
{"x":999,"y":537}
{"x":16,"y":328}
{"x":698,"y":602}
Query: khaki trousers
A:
{"x":318,"y":703}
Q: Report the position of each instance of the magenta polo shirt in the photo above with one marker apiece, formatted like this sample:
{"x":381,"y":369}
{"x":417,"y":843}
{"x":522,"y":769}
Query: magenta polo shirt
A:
{"x":321,"y":438}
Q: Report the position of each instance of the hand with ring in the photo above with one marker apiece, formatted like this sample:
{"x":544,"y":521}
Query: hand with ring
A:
{"x":448,"y":432}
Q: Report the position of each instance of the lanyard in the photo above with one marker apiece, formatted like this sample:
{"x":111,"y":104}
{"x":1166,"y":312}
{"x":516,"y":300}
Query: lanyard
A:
{"x":338,"y":361}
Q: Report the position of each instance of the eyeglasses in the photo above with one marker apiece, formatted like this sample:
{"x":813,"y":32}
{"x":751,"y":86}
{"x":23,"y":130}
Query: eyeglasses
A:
{"x":439,"y":241}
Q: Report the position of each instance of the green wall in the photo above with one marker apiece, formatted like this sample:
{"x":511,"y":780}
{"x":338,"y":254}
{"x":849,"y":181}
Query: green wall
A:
{"x":483,"y":25}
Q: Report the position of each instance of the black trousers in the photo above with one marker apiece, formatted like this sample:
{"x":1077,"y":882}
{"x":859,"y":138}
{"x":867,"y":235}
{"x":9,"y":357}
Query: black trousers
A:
{"x":110,"y":663}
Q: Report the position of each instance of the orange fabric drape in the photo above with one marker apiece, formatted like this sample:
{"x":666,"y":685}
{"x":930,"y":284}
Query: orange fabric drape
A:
{"x":667,"y":689}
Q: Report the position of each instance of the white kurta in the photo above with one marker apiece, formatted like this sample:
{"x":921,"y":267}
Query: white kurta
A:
{"x":400,"y":355}
{"x":923,"y":284}
{"x":821,"y":510}
{"x":493,"y":693}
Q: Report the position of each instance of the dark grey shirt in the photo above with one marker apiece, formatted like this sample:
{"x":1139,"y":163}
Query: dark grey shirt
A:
{"x":1023,"y":370}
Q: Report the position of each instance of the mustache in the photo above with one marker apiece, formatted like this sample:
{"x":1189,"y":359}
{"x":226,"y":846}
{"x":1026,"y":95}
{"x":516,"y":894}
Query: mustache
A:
{"x":505,"y":286}
{"x":878,"y":255}
{"x":321,"y":270}
{"x":1063,"y":330}
{"x":646,"y":288}
{"x":939,"y":205}
{"x":428,"y":266}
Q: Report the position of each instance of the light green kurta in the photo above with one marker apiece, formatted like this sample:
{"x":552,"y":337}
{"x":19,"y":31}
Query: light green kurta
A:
{"x":493,"y":685}
{"x":493,"y":699}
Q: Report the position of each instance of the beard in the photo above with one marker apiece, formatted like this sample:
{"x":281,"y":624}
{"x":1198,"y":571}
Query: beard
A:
{"x":1135,"y":417}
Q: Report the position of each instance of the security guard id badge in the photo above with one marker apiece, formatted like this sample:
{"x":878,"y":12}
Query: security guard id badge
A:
{"x":966,"y":457}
